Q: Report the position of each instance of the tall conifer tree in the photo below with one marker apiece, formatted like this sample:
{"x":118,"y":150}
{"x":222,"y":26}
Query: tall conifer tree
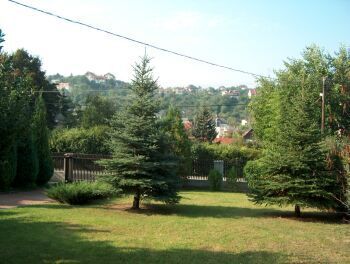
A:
{"x":142,"y":162}
{"x":204,"y":126}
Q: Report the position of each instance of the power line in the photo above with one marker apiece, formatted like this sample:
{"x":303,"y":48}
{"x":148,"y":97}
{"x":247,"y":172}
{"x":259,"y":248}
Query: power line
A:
{"x":138,"y":41}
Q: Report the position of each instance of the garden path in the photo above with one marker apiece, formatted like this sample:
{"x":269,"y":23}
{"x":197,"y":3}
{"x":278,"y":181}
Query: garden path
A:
{"x":21,"y":198}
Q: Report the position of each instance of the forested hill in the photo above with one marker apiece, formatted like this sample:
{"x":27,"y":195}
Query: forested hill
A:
{"x":229,"y":103}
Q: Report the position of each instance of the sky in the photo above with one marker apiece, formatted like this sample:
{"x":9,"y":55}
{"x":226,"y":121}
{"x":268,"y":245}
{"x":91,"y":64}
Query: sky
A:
{"x":251,"y":35}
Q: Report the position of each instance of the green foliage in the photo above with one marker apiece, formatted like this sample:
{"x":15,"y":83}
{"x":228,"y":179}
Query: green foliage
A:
{"x":180,"y":143}
{"x":295,"y":168}
{"x":142,"y":161}
{"x":8,"y":166}
{"x":29,"y":67}
{"x":204,"y":126}
{"x":27,"y":161}
{"x":14,"y":116}
{"x":98,"y":111}
{"x":231,"y":178}
{"x":41,"y":137}
{"x":92,"y":140}
{"x":2,"y":35}
{"x":79,"y":193}
{"x":215,"y":180}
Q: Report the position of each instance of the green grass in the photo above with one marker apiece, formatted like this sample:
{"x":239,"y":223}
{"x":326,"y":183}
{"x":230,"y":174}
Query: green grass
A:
{"x":206,"y":227}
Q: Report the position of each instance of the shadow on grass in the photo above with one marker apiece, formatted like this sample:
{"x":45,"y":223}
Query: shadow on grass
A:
{"x":25,"y":241}
{"x":195,"y":211}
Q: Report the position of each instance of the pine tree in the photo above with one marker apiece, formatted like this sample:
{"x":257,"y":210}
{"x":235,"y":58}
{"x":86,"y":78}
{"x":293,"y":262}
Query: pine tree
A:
{"x":142,"y":162}
{"x":293,"y":168}
{"x":41,"y":137}
{"x":204,"y":126}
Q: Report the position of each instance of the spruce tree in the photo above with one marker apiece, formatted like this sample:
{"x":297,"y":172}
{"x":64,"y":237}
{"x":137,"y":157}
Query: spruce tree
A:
{"x":142,"y":162}
{"x":41,"y":137}
{"x":204,"y":126}
{"x":293,"y":168}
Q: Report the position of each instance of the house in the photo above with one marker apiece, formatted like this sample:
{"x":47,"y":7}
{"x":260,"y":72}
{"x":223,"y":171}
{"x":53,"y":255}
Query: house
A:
{"x":251,"y":92}
{"x":248,"y":135}
{"x":222,"y":128}
{"x":224,"y":140}
{"x":109,"y":76}
{"x":230,"y":93}
{"x":99,"y":78}
{"x":187,"y":124}
{"x":244,"y":122}
{"x":62,"y":86}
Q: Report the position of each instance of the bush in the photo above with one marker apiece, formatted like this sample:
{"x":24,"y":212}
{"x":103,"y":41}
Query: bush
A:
{"x":27,"y":162}
{"x":80,"y":140}
{"x":231,"y":178}
{"x":81,"y":192}
{"x":215,"y":180}
{"x":8,"y":167}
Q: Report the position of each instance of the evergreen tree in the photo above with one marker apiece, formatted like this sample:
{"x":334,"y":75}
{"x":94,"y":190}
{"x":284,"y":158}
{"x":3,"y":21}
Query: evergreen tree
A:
{"x":293,"y":168}
{"x":41,"y":137}
{"x":180,"y":143}
{"x":2,"y":35}
{"x":204,"y":126}
{"x":27,"y":161}
{"x":142,"y":162}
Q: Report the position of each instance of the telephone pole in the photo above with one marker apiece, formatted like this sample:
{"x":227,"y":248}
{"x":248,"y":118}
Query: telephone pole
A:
{"x":323,"y":104}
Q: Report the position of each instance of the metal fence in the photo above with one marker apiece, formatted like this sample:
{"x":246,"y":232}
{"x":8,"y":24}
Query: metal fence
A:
{"x":78,"y":167}
{"x":83,"y":167}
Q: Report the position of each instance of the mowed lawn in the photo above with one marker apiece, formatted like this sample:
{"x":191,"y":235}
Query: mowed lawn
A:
{"x":206,"y":227}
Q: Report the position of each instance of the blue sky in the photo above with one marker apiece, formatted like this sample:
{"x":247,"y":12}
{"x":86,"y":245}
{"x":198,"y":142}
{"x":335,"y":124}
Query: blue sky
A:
{"x":250,"y":35}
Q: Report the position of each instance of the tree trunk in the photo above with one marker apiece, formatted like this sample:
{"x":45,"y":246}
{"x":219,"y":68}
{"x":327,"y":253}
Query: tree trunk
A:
{"x":297,"y":210}
{"x":136,"y":202}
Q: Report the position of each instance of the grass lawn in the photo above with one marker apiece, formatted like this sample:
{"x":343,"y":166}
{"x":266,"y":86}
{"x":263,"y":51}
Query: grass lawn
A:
{"x":207,"y":227}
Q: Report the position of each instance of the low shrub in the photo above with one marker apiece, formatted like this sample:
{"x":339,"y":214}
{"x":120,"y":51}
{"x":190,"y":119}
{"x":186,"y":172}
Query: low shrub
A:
{"x":231,"y":179}
{"x":81,"y":192}
{"x":215,"y":180}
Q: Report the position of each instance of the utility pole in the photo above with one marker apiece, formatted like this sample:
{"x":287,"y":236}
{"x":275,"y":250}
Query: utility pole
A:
{"x":323,"y":104}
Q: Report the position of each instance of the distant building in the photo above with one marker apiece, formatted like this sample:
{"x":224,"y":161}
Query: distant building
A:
{"x":222,"y":128}
{"x":244,"y":122}
{"x":251,"y":93}
{"x":99,"y":78}
{"x":224,"y":140}
{"x":230,"y":93}
{"x":62,"y":85}
{"x":248,"y":135}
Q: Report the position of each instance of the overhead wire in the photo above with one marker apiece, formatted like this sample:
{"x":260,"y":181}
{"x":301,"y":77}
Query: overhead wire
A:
{"x":137,"y":41}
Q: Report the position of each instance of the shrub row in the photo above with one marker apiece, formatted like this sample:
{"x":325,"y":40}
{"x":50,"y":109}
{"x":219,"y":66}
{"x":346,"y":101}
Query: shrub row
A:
{"x":80,"y":140}
{"x":79,"y":193}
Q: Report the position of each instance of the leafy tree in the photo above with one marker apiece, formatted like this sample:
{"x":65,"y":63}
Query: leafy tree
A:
{"x":14,"y":118}
{"x":180,"y":143}
{"x":29,"y":67}
{"x":41,"y":135}
{"x":98,"y":111}
{"x":204,"y":126}
{"x":142,"y":162}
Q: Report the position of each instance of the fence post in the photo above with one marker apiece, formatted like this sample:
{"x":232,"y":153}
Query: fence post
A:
{"x":68,"y":167}
{"x":219,"y":166}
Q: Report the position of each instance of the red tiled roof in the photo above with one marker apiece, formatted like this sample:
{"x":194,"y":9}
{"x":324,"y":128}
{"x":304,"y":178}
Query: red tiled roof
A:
{"x":223,"y":140}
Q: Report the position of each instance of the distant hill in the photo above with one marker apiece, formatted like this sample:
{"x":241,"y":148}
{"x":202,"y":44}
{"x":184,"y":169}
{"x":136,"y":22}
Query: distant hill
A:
{"x":229,"y":103}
